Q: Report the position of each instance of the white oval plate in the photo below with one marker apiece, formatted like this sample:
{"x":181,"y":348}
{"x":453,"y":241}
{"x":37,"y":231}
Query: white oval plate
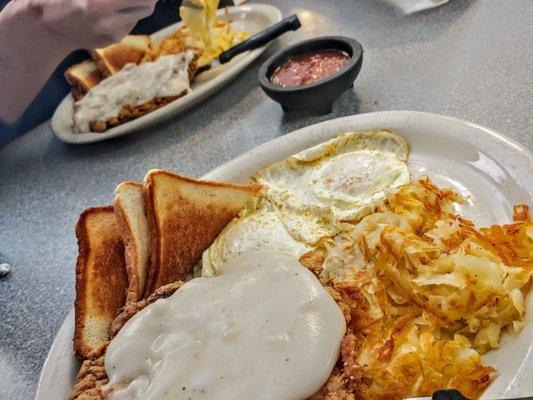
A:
{"x":251,"y":18}
{"x":494,"y":172}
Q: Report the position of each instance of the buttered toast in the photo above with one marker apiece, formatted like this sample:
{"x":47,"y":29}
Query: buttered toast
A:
{"x":112,"y":58}
{"x":185,"y":215}
{"x":133,"y":226}
{"x":105,"y":62}
{"x":101,"y":279}
{"x":83,"y":77}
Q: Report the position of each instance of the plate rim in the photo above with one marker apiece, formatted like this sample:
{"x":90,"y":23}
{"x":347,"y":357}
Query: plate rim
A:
{"x":286,"y":139}
{"x":156,"y":116}
{"x":292,"y":134}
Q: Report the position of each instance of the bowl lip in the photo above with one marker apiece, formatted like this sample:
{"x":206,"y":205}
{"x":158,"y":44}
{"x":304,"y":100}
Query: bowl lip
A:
{"x":357,"y":51}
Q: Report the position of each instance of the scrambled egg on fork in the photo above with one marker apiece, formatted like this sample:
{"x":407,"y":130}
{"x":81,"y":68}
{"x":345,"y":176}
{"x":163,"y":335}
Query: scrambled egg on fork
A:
{"x":424,"y":293}
{"x":202,"y":32}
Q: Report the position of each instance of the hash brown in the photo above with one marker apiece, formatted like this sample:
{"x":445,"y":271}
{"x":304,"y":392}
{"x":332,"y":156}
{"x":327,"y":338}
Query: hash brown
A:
{"x":407,"y":337}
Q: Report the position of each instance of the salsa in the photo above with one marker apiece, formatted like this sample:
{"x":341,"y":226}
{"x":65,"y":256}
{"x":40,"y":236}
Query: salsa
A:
{"x":309,"y":67}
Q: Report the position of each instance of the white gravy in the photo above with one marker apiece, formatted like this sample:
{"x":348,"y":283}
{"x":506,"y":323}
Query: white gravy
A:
{"x":265,"y":328}
{"x":134,"y":85}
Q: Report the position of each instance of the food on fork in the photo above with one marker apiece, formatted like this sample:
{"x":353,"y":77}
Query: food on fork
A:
{"x":101,"y":279}
{"x":131,"y":218}
{"x":204,"y":31}
{"x":199,"y":16}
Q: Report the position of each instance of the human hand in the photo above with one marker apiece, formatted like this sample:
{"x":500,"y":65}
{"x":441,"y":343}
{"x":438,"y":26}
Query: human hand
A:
{"x":35,"y":35}
{"x":90,"y":23}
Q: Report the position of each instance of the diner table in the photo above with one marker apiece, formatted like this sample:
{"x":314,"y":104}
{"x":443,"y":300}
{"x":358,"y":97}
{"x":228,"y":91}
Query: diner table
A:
{"x":466,"y":59}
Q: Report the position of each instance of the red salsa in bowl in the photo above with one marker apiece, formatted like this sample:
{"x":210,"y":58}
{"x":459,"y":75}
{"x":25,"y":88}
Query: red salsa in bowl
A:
{"x":312,"y":74}
{"x":309,"y":68}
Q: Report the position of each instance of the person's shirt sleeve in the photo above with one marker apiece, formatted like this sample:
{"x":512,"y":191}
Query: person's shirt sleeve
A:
{"x":46,"y":101}
{"x":56,"y":88}
{"x":7,"y":134}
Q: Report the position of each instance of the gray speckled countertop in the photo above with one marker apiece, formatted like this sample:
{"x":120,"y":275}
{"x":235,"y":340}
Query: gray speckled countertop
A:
{"x":468,"y":59}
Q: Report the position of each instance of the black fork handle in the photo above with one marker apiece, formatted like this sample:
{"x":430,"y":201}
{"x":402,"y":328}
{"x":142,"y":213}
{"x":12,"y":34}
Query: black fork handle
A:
{"x":456,"y":395}
{"x":448,"y":395}
{"x":291,"y":23}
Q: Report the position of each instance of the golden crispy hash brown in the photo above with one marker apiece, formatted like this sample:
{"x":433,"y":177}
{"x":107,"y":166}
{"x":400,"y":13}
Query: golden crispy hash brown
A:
{"x":392,"y":351}
{"x":520,"y":212}
{"x":424,"y":293}
{"x":172,"y":44}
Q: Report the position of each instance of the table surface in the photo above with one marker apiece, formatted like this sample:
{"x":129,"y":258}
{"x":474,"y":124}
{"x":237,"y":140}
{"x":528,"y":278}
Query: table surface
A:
{"x":467,"y":59}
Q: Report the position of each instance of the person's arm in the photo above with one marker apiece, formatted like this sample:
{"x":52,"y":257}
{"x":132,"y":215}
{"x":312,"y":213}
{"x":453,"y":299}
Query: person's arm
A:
{"x":35,"y":35}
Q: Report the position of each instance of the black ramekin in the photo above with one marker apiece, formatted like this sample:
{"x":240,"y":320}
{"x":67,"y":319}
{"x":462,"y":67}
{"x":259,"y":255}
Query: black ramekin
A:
{"x":319,"y":96}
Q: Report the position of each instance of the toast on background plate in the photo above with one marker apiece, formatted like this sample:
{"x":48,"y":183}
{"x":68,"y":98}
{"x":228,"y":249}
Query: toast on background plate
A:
{"x":137,"y":42}
{"x":112,"y":58}
{"x":101,"y":278}
{"x":83,"y":77}
{"x":105,"y":62}
{"x":133,"y":226}
{"x":185,"y":215}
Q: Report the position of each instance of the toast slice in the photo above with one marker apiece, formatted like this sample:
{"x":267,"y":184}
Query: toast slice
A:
{"x":101,"y":279}
{"x":133,"y":226}
{"x":112,"y":58}
{"x":185,"y":215}
{"x":92,"y":376}
{"x":82,"y":77}
{"x":138,"y":42}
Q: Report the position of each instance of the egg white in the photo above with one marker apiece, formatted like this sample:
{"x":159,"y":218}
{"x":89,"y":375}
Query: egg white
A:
{"x":335,"y":181}
{"x":258,"y":227}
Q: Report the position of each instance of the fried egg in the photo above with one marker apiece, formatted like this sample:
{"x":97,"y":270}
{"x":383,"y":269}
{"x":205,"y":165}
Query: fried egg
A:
{"x":258,"y":227}
{"x":334,"y":181}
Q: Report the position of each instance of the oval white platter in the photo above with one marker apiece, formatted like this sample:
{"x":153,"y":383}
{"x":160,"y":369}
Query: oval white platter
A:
{"x":251,"y":18}
{"x":491,"y":170}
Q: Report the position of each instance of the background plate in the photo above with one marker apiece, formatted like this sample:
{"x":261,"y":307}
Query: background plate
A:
{"x":251,"y":18}
{"x":494,"y":172}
